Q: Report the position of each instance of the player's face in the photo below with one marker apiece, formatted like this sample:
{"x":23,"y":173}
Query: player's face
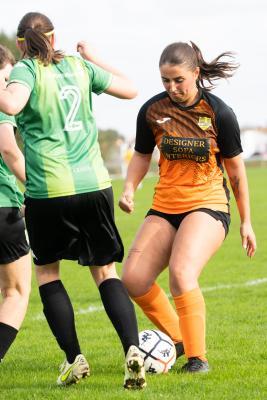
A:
{"x":180,"y":83}
{"x":4,"y":75}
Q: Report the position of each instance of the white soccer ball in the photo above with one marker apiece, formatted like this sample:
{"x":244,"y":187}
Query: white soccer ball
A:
{"x":158,"y":351}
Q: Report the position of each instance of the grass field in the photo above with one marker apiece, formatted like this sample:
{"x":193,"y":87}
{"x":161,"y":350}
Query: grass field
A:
{"x":235,"y":290}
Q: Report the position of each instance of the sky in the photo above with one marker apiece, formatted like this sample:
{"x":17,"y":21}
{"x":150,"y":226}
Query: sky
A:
{"x":130,"y":35}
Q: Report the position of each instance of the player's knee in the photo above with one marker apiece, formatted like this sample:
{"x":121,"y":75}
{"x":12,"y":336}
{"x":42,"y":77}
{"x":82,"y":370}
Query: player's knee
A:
{"x":182,"y":280}
{"x":47,"y":273}
{"x":100,"y":274}
{"x":136,"y":285}
{"x":19,"y":294}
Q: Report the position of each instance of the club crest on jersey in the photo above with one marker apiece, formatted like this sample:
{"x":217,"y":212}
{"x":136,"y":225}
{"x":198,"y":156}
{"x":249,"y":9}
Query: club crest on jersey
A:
{"x":204,"y":123}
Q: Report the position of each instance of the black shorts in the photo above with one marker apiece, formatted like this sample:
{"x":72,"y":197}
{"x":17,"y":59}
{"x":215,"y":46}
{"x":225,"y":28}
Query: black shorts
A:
{"x":176,"y":219}
{"x":78,"y":227}
{"x":13,"y":242}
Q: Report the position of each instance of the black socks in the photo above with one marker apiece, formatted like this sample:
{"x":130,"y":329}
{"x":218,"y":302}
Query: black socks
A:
{"x":120,"y":311}
{"x":7,"y":337}
{"x":60,"y":317}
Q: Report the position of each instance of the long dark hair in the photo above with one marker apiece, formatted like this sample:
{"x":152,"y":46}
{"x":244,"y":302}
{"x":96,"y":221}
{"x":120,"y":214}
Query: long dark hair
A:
{"x":180,"y":53}
{"x":34,"y":32}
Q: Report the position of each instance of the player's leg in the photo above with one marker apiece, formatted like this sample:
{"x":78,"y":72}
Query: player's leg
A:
{"x":50,"y":237}
{"x":58,"y":309}
{"x":59,"y":314}
{"x":121,"y":313}
{"x":198,"y":238}
{"x":117,"y":304}
{"x":101,"y":246}
{"x":148,"y":256}
{"x":15,"y":284}
{"x":15,"y":275}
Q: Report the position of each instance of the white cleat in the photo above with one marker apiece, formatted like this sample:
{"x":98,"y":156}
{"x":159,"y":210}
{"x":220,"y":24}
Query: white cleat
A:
{"x":134,"y":369}
{"x":73,"y":373}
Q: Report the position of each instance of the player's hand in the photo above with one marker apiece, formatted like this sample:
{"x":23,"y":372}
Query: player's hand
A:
{"x":126,"y":202}
{"x":86,"y":50}
{"x":248,"y":239}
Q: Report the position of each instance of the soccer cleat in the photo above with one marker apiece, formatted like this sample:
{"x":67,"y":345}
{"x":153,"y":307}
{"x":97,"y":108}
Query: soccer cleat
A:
{"x":134,"y":369}
{"x":179,"y":349}
{"x":195,"y":364}
{"x":73,"y":373}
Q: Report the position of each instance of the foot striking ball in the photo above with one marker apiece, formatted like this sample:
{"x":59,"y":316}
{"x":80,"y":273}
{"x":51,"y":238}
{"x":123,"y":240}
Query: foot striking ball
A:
{"x":158,"y":351}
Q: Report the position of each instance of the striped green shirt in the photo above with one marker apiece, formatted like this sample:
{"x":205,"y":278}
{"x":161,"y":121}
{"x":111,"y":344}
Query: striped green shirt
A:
{"x":58,"y":127}
{"x":10,"y":195}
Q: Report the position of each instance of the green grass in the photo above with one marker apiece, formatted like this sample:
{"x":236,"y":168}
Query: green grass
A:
{"x":236,"y":325}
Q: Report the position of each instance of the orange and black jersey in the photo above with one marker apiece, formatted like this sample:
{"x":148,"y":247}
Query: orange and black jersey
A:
{"x":193,"y":141}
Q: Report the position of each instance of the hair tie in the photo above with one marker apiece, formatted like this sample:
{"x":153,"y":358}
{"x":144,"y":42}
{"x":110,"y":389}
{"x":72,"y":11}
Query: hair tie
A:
{"x":21,"y":39}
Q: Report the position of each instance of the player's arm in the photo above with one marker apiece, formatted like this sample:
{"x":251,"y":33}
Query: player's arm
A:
{"x":11,"y":153}
{"x":14,"y":98}
{"x":137,"y":169}
{"x":140,"y":161}
{"x":120,"y":86}
{"x":236,"y":172}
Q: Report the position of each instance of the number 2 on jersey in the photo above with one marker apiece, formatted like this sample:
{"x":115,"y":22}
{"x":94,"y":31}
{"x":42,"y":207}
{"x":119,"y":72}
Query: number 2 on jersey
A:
{"x":74,"y":92}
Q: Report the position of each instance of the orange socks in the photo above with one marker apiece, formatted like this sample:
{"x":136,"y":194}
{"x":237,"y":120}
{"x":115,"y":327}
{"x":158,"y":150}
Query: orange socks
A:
{"x":190,"y":307}
{"x":189,"y":328}
{"x":157,"y":307}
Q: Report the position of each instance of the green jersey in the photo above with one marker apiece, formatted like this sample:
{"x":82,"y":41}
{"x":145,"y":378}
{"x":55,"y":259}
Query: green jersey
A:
{"x":58,"y":127}
{"x":10,"y":195}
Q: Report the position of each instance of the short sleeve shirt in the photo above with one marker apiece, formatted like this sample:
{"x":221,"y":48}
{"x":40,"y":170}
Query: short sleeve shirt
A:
{"x":10,"y":195}
{"x":58,"y":127}
{"x":193,"y":141}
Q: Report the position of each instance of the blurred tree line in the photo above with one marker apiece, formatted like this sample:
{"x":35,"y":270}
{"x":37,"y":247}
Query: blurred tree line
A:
{"x":10,"y":43}
{"x":111,"y":142}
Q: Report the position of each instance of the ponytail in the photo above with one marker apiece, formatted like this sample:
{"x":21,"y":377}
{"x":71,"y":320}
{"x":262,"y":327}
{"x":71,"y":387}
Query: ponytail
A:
{"x":34,"y":31}
{"x":184,"y":53}
{"x":214,"y":70}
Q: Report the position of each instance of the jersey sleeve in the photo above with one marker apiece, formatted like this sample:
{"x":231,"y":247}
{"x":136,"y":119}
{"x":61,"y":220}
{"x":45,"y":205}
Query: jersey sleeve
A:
{"x":145,"y":139}
{"x":24,"y":73}
{"x":100,"y":78}
{"x":7,"y":119}
{"x":228,"y":133}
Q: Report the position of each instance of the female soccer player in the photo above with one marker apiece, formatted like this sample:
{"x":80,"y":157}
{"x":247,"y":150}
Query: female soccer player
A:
{"x":15,"y":262}
{"x":69,"y":200}
{"x":198,"y":136}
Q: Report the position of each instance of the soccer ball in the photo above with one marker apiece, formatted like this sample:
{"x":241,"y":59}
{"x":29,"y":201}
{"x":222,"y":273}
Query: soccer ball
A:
{"x":158,"y":351}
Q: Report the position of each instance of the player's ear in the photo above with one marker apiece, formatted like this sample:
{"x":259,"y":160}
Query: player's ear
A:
{"x":196,"y":73}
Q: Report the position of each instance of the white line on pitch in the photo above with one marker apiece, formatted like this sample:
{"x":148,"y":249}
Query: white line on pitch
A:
{"x":97,"y":308}
{"x":255,"y":282}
